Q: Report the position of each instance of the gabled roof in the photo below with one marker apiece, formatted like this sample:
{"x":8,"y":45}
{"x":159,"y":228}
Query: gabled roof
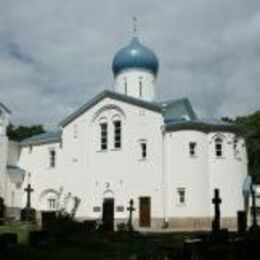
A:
{"x":5,"y":108}
{"x":174,"y":109}
{"x":111,"y":94}
{"x":178,"y":109}
{"x":15,"y":173}
{"x":48,"y":137}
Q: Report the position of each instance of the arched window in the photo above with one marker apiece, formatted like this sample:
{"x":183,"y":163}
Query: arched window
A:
{"x":117,"y":133}
{"x":107,"y":126}
{"x":218,"y":147}
{"x":103,"y":135}
{"x":49,"y":199}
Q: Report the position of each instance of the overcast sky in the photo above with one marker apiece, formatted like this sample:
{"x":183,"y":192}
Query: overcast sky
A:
{"x":56,"y":54}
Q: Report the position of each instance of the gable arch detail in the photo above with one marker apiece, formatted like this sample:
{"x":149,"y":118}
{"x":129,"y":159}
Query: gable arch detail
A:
{"x":119,"y":111}
{"x":216,"y":136}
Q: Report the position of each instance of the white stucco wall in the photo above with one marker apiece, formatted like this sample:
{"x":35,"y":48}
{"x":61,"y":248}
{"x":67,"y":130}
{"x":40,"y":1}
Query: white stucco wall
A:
{"x":36,"y":161}
{"x":92,"y":175}
{"x":130,"y":79}
{"x":3,"y":164}
{"x":199,"y":175}
{"x":88,"y":173}
{"x":4,"y":120}
{"x":188,"y":172}
{"x":227,"y":173}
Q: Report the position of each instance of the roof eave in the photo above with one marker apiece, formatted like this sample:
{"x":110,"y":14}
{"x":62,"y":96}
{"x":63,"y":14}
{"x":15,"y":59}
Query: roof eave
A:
{"x":206,"y":128}
{"x":7,"y":110}
{"x":40,"y":142}
{"x":113,"y":95}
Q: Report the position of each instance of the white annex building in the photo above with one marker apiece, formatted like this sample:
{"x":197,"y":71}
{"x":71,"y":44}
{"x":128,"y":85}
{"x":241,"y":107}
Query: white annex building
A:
{"x":124,"y":144}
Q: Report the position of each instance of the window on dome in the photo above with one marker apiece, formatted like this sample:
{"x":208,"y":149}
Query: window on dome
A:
{"x":117,"y":134}
{"x":192,"y":147}
{"x":103,"y":135}
{"x":218,"y":147}
{"x":75,"y":131}
{"x":125,"y":85}
{"x":140,"y":87}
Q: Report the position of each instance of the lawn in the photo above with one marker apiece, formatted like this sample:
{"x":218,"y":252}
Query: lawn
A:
{"x":22,"y":230}
{"x":91,"y":245}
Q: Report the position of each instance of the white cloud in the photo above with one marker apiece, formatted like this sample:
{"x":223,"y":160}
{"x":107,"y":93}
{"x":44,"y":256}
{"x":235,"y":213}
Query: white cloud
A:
{"x":56,"y":54}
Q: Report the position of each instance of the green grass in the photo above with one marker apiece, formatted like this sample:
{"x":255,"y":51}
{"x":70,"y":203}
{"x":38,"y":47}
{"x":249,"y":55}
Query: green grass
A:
{"x":22,"y":231}
{"x":88,"y":245}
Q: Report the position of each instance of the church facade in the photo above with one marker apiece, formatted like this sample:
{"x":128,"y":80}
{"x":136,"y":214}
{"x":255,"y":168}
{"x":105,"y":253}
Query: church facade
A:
{"x":123,"y":145}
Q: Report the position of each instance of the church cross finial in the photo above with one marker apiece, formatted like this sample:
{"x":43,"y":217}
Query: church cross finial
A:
{"x":134,"y":26}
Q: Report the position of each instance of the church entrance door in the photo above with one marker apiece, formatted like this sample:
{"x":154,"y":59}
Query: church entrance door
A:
{"x":144,"y":211}
{"x":108,"y":214}
{"x":48,"y":219}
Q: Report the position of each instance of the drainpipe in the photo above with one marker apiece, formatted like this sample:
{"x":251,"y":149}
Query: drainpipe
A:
{"x":164,"y":179}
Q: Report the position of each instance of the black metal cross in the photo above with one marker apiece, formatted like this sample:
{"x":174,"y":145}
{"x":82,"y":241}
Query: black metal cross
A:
{"x":130,"y":209}
{"x":216,"y":201}
{"x":28,"y":190}
{"x":254,"y":226}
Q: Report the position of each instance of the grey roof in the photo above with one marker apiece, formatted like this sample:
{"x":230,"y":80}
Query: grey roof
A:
{"x":15,"y":173}
{"x":204,"y":125}
{"x":175,"y":109}
{"x":178,"y":115}
{"x":14,"y":167}
{"x":178,"y":109}
{"x":48,"y":137}
{"x":5,"y":108}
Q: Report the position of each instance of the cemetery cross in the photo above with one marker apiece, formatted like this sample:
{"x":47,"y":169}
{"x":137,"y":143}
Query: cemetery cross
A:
{"x":254,"y":226}
{"x":28,"y":190}
{"x":130,"y":209}
{"x":216,"y":201}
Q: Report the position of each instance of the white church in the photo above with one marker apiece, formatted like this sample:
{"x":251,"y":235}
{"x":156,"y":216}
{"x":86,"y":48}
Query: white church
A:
{"x":124,"y":144}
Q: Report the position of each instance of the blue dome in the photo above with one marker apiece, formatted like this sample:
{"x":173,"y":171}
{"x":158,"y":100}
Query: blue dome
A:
{"x":135,"y":55}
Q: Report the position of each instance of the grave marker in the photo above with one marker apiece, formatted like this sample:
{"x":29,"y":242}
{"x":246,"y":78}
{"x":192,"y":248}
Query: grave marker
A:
{"x":131,"y":209}
{"x":216,"y":201}
{"x":254,"y":226}
{"x":241,"y":221}
{"x":2,"y":211}
{"x":28,"y":190}
{"x":28,"y":213}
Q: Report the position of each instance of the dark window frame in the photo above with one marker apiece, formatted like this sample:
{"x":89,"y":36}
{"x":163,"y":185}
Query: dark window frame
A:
{"x":193,"y":148}
{"x":181,"y":196}
{"x":52,"y":154}
{"x":103,"y":136}
{"x":140,"y":87}
{"x":219,"y":147}
{"x":117,"y":134}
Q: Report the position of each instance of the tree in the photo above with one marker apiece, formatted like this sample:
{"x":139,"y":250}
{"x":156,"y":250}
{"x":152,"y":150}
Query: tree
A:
{"x":18,"y":133}
{"x":250,"y":125}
